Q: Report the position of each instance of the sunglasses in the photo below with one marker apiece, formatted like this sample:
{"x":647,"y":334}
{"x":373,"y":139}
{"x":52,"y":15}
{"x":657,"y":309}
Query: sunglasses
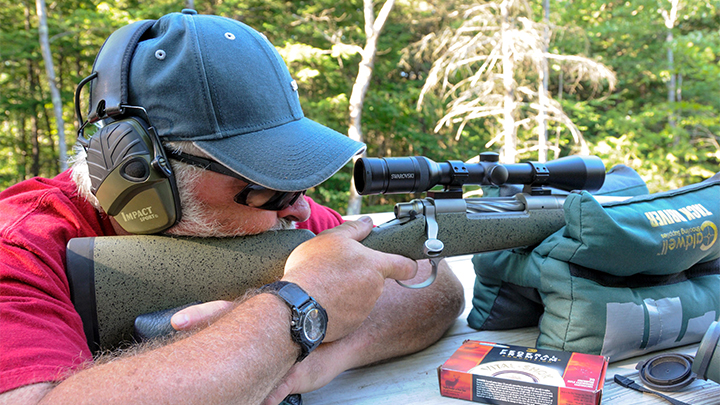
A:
{"x":252,"y":195}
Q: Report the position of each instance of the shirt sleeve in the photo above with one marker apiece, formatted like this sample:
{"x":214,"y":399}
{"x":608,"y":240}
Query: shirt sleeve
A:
{"x":41,"y":334}
{"x":321,"y":218}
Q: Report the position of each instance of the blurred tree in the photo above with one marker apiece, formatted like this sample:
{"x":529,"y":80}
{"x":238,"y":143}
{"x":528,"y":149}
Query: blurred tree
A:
{"x":668,"y":132}
{"x":52,"y":85}
{"x":671,"y":143}
{"x":373,"y":28}
{"x":486,"y":68}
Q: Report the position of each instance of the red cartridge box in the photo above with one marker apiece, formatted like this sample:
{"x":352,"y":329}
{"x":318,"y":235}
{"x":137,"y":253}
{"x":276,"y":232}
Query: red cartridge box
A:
{"x":517,"y":375}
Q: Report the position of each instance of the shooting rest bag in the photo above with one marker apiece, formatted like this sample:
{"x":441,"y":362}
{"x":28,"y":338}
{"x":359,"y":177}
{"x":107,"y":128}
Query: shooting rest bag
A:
{"x":619,"y":280}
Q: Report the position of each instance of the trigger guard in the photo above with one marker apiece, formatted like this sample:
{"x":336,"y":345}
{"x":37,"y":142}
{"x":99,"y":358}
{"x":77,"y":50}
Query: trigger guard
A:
{"x":433,"y":275}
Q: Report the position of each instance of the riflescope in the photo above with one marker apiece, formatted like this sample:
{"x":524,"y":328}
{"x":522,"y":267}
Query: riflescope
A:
{"x":418,"y":173}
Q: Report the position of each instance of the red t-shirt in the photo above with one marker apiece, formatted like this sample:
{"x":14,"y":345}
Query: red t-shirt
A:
{"x":41,"y":335}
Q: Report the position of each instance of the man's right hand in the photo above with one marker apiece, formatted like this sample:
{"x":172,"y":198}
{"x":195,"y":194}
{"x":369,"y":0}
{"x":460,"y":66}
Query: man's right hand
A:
{"x":344,"y":276}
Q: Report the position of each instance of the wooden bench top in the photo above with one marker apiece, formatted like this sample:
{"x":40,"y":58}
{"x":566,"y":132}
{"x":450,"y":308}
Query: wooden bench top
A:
{"x":413,"y":379}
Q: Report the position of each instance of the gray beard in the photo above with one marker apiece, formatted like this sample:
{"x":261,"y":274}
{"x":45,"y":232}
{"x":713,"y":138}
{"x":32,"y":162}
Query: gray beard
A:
{"x":196,"y":222}
{"x":199,"y":225}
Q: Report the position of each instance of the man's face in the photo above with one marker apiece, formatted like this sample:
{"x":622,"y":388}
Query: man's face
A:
{"x":211,"y":211}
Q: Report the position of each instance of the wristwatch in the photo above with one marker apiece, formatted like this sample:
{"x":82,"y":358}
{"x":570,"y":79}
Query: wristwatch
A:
{"x":308,"y":322}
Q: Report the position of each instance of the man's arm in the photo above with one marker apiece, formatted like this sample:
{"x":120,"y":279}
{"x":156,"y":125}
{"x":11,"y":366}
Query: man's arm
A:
{"x":403,"y":321}
{"x":29,"y":394}
{"x":244,"y":354}
{"x":241,"y":355}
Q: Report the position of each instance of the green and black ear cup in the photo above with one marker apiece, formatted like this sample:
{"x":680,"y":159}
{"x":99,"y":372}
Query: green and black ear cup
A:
{"x":129,"y":172}
{"x":707,"y":358}
{"x":131,"y":177}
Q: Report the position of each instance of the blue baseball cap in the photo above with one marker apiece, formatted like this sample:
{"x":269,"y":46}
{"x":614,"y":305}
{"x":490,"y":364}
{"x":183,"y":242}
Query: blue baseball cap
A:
{"x":222,"y":85}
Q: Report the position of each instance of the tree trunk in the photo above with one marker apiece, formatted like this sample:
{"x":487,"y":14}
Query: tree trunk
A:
{"x":35,"y":166}
{"x":671,"y":68}
{"x":33,"y":91}
{"x":373,"y":27}
{"x":55,"y":164}
{"x":510,"y":140}
{"x":52,"y":84}
{"x":22,"y":150}
{"x":670,"y":20}
{"x":543,"y":88}
{"x":558,"y":128}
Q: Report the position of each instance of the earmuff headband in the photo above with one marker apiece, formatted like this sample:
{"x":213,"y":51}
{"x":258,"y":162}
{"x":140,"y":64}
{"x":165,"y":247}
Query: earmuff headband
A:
{"x":108,"y":95}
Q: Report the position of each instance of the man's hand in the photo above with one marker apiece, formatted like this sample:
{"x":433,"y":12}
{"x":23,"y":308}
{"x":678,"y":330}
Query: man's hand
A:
{"x":317,"y":370}
{"x":344,"y":276}
{"x":200,"y":315}
{"x":403,"y":321}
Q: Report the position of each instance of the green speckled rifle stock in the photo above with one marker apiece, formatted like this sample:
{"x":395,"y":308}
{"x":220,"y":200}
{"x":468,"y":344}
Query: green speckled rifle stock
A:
{"x":114,"y":279}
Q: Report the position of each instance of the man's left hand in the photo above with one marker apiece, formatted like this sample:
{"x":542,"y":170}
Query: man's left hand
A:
{"x":318,"y":369}
{"x":200,"y":315}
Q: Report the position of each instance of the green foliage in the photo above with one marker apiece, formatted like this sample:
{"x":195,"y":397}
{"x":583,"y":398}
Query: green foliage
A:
{"x":670,"y":143}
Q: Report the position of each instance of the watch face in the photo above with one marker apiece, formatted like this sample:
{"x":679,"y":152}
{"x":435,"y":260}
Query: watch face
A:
{"x":314,"y":325}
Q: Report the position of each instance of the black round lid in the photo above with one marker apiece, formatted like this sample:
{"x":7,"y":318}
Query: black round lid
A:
{"x":667,"y":372}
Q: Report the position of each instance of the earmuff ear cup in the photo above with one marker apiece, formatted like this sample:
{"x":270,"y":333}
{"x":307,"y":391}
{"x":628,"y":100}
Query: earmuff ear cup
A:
{"x":124,"y":178}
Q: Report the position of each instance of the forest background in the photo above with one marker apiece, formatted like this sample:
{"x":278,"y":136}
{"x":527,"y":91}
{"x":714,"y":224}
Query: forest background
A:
{"x":633,"y":82}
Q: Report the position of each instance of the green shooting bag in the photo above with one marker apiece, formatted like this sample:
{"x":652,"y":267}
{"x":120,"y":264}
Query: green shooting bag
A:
{"x":619,"y":279}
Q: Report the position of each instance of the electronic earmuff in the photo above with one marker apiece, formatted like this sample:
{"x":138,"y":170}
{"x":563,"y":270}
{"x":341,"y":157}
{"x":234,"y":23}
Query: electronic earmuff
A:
{"x":130,"y":175}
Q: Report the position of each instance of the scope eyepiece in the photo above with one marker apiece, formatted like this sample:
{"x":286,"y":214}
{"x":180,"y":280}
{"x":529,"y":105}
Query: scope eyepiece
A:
{"x":418,"y":174}
{"x":395,"y":175}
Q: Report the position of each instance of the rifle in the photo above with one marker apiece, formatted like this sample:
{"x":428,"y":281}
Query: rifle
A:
{"x":115,"y":279}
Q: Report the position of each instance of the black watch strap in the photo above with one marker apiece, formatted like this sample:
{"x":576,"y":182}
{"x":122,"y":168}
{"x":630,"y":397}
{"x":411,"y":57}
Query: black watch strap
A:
{"x":301,"y":306}
{"x":294,"y":295}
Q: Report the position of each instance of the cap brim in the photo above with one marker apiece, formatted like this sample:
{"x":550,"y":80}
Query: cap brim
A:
{"x":291,"y":157}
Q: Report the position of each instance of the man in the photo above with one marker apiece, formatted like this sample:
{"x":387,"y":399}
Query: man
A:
{"x":219,"y":98}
